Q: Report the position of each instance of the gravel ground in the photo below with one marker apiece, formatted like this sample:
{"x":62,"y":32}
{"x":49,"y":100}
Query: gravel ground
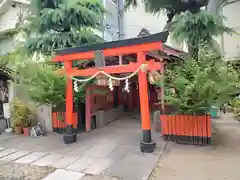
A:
{"x":13,"y":171}
{"x":220,"y":161}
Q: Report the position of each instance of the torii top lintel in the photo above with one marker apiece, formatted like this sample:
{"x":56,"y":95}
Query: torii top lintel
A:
{"x":114,"y":48}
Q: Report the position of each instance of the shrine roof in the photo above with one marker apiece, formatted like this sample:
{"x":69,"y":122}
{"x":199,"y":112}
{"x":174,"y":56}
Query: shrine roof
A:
{"x":162,"y":36}
{"x":166,"y":53}
{"x":6,"y":72}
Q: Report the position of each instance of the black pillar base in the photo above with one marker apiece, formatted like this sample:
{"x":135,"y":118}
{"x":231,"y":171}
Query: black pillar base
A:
{"x":70,"y":136}
{"x":147,"y":145}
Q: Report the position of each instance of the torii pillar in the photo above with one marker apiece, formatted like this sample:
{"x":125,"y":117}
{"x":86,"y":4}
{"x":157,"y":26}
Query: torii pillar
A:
{"x":146,"y":144}
{"x":70,"y":135}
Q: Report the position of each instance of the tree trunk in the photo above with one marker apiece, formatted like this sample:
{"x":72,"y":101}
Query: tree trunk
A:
{"x":193,"y":52}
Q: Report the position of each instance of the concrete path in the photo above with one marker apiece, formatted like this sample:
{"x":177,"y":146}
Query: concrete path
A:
{"x":112,"y":151}
{"x":219,"y":161}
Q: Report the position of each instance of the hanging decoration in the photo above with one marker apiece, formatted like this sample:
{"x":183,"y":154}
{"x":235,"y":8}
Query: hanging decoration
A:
{"x":115,"y":81}
{"x":126,"y":88}
{"x":110,"y":84}
{"x":75,"y":86}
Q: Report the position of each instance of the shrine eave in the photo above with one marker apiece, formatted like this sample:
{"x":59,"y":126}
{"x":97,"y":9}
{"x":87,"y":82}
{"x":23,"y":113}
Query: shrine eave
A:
{"x":162,"y":36}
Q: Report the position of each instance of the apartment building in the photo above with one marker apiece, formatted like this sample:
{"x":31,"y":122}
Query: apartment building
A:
{"x":136,"y":19}
{"x":12,"y":13}
{"x":230,"y":44}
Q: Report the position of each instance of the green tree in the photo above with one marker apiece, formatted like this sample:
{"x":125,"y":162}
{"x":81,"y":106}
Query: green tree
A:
{"x":171,"y":7}
{"x":50,"y":25}
{"x":200,"y":85}
{"x":44,"y":85}
{"x":188,"y":23}
{"x":61,"y":24}
{"x":198,"y":30}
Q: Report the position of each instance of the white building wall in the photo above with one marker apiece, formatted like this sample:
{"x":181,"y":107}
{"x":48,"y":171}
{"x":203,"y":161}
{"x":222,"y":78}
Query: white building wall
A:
{"x":136,"y":18}
{"x":11,"y":17}
{"x":6,"y":45}
{"x":231,"y":44}
{"x":110,"y":23}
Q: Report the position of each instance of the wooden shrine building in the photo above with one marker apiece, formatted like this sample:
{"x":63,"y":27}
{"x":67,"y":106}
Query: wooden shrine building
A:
{"x":118,"y":60}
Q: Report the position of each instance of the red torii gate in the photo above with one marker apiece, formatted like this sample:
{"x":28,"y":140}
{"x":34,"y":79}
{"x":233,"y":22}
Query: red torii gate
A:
{"x":140,"y":46}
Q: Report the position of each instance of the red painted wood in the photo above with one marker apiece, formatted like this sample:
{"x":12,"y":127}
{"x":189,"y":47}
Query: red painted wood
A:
{"x":186,"y":125}
{"x":131,"y":67}
{"x":143,"y":93}
{"x":56,"y":123}
{"x":69,"y":95}
{"x":110,"y":52}
{"x":209,"y":127}
{"x":88,"y":105}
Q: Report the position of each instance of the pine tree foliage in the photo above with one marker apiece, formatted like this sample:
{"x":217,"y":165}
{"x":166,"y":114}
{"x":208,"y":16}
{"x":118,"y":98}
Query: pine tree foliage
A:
{"x":200,"y":85}
{"x":198,"y":30}
{"x":171,"y":7}
{"x":156,"y":6}
{"x":61,"y":24}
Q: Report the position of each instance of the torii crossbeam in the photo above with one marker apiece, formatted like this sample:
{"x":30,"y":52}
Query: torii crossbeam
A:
{"x":138,"y":46}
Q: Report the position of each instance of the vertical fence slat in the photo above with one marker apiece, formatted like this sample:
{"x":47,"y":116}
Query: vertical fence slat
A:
{"x":59,"y":125}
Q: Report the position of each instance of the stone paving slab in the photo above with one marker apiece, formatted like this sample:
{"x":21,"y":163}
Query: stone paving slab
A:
{"x":98,"y":166}
{"x":84,"y":147}
{"x":135,"y":166}
{"x":81,"y":164}
{"x":47,"y":160}
{"x":119,"y":142}
{"x":15,"y":156}
{"x":101,"y":150}
{"x":6,"y":152}
{"x":120,"y":152}
{"x":65,"y":161}
{"x":61,"y":174}
{"x":31,"y":157}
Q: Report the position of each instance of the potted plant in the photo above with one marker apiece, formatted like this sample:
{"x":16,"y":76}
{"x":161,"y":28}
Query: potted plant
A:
{"x":21,"y":117}
{"x":197,"y":85}
{"x":27,"y":119}
{"x":16,"y":121}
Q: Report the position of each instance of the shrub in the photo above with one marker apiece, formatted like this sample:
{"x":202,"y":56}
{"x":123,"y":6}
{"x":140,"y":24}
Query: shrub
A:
{"x":21,"y":114}
{"x":198,"y":85}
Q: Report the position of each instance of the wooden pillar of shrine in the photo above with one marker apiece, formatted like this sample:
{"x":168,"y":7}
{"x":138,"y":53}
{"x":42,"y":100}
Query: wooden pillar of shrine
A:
{"x":88,"y":109}
{"x":70,"y":135}
{"x":146,"y":144}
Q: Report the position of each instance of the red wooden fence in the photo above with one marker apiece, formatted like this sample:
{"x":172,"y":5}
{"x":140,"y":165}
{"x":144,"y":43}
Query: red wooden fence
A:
{"x":186,"y":129}
{"x":58,"y":121}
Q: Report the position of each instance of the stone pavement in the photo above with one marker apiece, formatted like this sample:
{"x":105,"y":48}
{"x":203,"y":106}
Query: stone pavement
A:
{"x":112,"y":151}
